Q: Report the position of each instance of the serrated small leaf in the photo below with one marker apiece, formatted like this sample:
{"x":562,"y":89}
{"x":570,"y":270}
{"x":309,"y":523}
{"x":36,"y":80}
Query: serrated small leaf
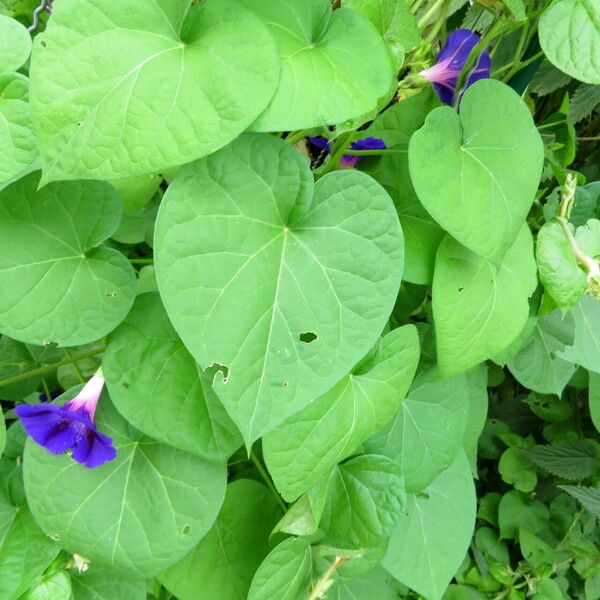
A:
{"x":575,"y":460}
{"x":588,"y":496}
{"x":585,"y":100}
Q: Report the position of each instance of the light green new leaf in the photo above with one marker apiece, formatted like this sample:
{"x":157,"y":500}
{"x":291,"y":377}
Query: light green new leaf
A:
{"x":479,"y":308}
{"x":393,"y":20}
{"x":137,"y":514}
{"x":365,"y":500}
{"x":136,"y":192}
{"x":117,"y":93}
{"x":330,"y":428}
{"x":427,"y":432}
{"x":25,"y":551}
{"x":158,"y":387}
{"x":18,"y":146}
{"x":223,"y":563}
{"x":56,"y":586}
{"x":477,"y":173}
{"x":335,"y":65}
{"x":59,"y":284}
{"x":570,"y":37}
{"x":587,"y":237}
{"x":431,"y":539}
{"x":559,"y":272}
{"x":422,"y":235}
{"x":585,"y":350}
{"x":103,"y":584}
{"x":15,"y":45}
{"x":286,"y":573}
{"x":285,"y":293}
{"x":537,"y":366}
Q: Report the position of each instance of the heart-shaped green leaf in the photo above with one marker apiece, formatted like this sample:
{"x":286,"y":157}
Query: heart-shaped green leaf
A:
{"x":431,"y":539}
{"x":286,"y":285}
{"x":104,"y":584}
{"x":570,"y":38}
{"x":158,"y":387}
{"x":427,"y":432}
{"x":137,"y":514}
{"x":223,"y":563}
{"x":18,"y":146}
{"x":479,"y":308}
{"x":58,"y":283}
{"x":117,"y":92}
{"x":330,"y":428}
{"x":477,"y":173}
{"x":394,"y":20}
{"x":335,"y":65}
{"x":15,"y":44}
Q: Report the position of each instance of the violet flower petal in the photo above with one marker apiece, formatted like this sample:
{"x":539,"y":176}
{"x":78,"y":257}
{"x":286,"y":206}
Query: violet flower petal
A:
{"x":93,"y":450}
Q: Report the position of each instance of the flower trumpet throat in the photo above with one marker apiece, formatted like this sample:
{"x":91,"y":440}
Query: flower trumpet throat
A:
{"x":451,"y":60}
{"x":70,"y":427}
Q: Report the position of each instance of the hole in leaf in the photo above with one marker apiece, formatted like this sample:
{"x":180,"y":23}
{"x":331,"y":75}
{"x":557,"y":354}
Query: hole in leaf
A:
{"x":215,"y":369}
{"x":460,"y":289}
{"x":285,"y":384}
{"x":110,"y":294}
{"x":125,"y":385}
{"x":308,"y":337}
{"x":44,"y":45}
{"x":186,"y":530}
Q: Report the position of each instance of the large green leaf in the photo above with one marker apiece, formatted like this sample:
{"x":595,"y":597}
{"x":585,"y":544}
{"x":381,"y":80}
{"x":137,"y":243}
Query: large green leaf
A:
{"x":477,"y":172}
{"x":158,"y":387}
{"x":103,"y":584}
{"x":393,"y":20}
{"x":137,"y":514}
{"x":365,"y":500}
{"x":117,"y":92}
{"x":25,"y":551}
{"x":223,"y":563}
{"x":422,"y":235}
{"x":537,"y":366}
{"x":58,"y":283}
{"x":53,"y":586}
{"x":585,"y":350}
{"x":478,"y":410}
{"x":570,"y":37}
{"x":15,"y":359}
{"x":427,"y":432}
{"x":480,"y":308}
{"x":312,"y":441}
{"x":432,"y":538}
{"x":286,"y":573}
{"x":335,"y":65}
{"x":594,"y":399}
{"x":18,"y":146}
{"x":15,"y":44}
{"x":286,"y":285}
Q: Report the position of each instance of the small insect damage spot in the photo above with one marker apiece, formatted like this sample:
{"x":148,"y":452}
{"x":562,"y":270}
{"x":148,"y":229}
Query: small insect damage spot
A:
{"x":285,"y":384}
{"x":110,"y":294}
{"x":186,"y":530}
{"x":218,"y":371}
{"x":125,"y":385}
{"x":308,"y":337}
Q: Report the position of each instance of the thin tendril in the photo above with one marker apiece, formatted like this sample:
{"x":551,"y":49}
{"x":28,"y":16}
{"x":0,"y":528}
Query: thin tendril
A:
{"x":44,"y":6}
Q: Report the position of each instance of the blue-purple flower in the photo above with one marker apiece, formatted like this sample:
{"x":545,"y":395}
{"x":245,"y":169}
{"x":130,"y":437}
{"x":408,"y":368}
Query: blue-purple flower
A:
{"x":450,"y":62}
{"x":70,"y":427}
{"x":348,"y":161}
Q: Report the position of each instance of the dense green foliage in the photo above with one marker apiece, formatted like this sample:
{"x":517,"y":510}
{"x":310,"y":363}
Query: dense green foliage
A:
{"x":340,"y":327}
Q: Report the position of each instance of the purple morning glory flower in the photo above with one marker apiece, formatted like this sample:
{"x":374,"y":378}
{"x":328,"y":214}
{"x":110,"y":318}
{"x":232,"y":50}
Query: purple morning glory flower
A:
{"x":348,"y":161}
{"x":450,"y":62}
{"x":71,"y":426}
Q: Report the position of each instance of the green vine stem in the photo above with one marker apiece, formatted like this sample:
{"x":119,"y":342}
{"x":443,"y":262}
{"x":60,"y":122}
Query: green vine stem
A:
{"x":49,"y":368}
{"x":325,"y":581}
{"x":265,"y":476}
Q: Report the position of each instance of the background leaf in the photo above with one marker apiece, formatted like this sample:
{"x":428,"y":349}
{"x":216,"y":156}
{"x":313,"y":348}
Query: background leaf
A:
{"x":316,"y":44}
{"x":150,"y":506}
{"x":223,"y":563}
{"x":585,"y":350}
{"x":570,"y":37}
{"x":157,"y":386}
{"x":331,"y":427}
{"x":59,"y":285}
{"x":479,"y":309}
{"x":98,"y":584}
{"x":574,"y":460}
{"x":15,"y":44}
{"x":431,"y":539}
{"x":173,"y":90}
